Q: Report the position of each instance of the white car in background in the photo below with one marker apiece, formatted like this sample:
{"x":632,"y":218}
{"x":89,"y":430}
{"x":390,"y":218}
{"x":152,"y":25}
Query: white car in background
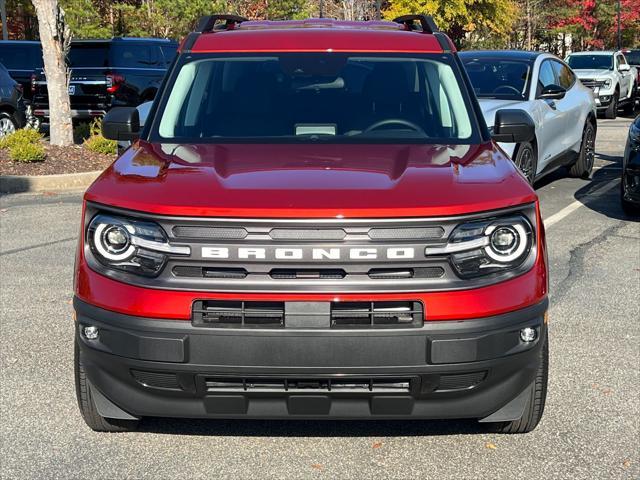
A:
{"x":562,"y":109}
{"x":610,"y":76}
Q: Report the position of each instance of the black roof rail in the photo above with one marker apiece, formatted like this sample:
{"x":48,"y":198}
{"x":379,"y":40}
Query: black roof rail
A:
{"x":207,"y":23}
{"x":426,"y":22}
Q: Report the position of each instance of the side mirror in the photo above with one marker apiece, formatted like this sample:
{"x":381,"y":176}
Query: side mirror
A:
{"x":121,"y":124}
{"x":513,"y":126}
{"x":552,"y":92}
{"x":624,"y":67}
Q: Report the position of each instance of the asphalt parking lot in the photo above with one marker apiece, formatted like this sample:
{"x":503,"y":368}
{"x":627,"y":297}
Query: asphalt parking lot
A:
{"x":591,"y":426}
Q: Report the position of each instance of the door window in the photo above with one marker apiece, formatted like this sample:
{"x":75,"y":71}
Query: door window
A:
{"x":564,"y":76}
{"x":546,"y":77}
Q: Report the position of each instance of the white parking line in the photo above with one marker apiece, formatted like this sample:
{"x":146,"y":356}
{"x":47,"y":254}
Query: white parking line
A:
{"x":572,"y":207}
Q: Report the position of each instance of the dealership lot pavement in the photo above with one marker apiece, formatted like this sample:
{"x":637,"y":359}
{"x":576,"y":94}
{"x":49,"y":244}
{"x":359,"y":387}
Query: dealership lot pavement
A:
{"x":591,"y":427}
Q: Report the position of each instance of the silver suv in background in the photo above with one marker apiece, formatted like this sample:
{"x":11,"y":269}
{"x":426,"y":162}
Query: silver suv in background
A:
{"x":561,"y":108}
{"x":609,"y":75}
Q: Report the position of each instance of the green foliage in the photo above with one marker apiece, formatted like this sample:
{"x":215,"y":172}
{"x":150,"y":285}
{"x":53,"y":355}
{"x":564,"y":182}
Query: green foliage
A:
{"x":20,"y":137}
{"x":27,"y":152}
{"x":97,"y":143}
{"x":460,"y":18}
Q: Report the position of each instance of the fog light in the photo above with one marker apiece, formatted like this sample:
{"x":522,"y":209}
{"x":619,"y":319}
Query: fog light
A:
{"x":528,"y":334}
{"x":91,"y":332}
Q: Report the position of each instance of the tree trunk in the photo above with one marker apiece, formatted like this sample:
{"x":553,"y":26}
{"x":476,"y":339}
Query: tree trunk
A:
{"x":55,"y":38}
{"x":3,"y":14}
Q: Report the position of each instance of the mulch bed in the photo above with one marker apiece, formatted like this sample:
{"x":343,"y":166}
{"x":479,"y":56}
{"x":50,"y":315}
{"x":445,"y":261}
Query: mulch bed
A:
{"x":74,"y":159}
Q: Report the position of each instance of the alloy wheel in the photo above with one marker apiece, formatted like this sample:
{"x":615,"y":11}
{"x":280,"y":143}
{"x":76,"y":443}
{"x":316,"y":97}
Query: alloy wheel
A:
{"x":525,"y":164}
{"x":6,"y":127}
{"x":589,"y":147}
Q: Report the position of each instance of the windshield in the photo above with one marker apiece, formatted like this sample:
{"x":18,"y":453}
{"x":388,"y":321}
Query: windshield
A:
{"x":496,"y":78}
{"x":591,"y":62}
{"x":314,"y":96}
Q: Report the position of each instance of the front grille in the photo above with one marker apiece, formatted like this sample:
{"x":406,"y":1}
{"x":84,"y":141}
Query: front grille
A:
{"x":208,"y":272}
{"x":376,"y":314}
{"x":460,"y":381}
{"x":592,"y":83}
{"x":365,"y":256}
{"x":308,"y":385}
{"x":209,"y":233}
{"x":240,"y":314}
{"x":426,"y":233}
{"x":307,"y":234}
{"x":289,"y":274}
{"x":157,"y":379}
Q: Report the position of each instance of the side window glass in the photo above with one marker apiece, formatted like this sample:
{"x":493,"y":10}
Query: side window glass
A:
{"x":622,"y":60}
{"x":132,"y":56}
{"x":546,"y":76}
{"x":563,"y":74}
{"x":169,"y":53}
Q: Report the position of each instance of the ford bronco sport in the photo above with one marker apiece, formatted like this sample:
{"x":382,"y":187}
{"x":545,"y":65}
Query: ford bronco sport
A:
{"x":313,"y":223}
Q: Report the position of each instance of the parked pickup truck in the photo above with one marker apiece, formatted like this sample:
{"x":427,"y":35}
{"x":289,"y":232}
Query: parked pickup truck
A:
{"x":613,"y":80}
{"x":109,"y":73}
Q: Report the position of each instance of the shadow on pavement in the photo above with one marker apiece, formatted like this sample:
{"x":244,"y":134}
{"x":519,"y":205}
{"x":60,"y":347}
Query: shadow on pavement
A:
{"x":311,"y":428}
{"x":608,"y":203}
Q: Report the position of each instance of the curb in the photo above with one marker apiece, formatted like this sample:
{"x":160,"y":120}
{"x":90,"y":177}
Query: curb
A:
{"x":42,"y":183}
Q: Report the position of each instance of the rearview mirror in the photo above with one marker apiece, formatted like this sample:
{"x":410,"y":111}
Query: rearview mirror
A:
{"x":552,"y":92}
{"x":513,"y":126}
{"x":121,"y":124}
{"x":624,"y":67}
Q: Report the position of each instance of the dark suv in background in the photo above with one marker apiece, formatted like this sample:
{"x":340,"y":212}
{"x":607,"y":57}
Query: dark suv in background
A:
{"x":12,"y":109}
{"x":22,"y":59}
{"x":108,"y":73}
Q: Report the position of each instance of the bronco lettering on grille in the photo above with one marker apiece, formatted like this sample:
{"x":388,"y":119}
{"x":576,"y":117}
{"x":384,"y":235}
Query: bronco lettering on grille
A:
{"x":310,"y":254}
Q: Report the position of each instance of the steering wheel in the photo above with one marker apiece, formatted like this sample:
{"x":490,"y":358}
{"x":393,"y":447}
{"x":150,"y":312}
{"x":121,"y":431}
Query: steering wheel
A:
{"x":396,"y":121}
{"x":507,"y":87}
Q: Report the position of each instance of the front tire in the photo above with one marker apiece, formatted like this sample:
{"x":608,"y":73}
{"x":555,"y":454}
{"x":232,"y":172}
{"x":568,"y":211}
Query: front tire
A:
{"x":586,"y":158}
{"x":535,"y":404}
{"x":92,"y":418}
{"x":526,"y":161}
{"x":612,"y":110}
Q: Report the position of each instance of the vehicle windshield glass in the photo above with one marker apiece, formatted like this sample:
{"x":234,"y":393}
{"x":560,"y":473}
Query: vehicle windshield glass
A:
{"x":331,"y":97}
{"x":88,"y":55}
{"x":498,"y":78}
{"x":591,"y":62}
{"x":633,"y":58}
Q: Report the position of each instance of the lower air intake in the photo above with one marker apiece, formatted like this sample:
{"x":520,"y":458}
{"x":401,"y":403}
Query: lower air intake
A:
{"x":376,"y":314}
{"x":460,"y":381}
{"x":157,"y":379}
{"x":212,"y":313}
{"x":308,"y":385}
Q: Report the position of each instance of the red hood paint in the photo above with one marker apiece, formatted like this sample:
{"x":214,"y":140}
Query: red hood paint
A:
{"x":311,"y":180}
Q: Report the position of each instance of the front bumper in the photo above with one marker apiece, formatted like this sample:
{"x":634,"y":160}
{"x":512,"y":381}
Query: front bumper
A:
{"x":445,"y":369}
{"x":81,"y":114}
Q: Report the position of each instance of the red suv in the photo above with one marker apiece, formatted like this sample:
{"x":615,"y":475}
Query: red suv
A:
{"x":313,"y":223}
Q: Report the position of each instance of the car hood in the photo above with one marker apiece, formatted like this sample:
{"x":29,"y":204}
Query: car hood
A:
{"x":593,"y":73}
{"x":490,"y":106}
{"x":311,"y":180}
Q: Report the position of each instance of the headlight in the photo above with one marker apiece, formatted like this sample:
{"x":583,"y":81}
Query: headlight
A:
{"x":484,"y":247}
{"x":130,"y":245}
{"x":607,"y":83}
